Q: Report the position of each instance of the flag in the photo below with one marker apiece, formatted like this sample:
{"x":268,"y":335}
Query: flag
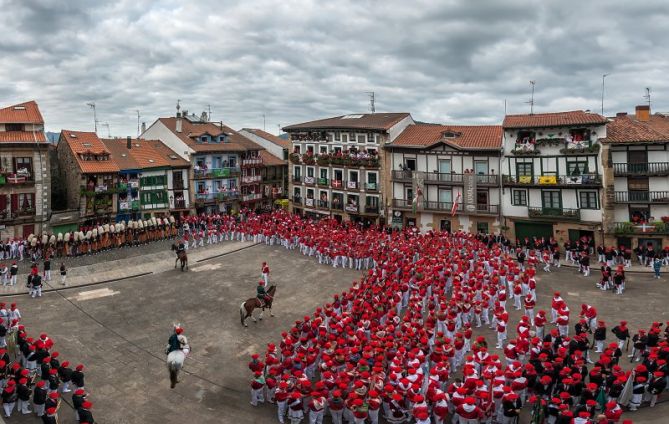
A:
{"x":455,"y":205}
{"x":626,"y":394}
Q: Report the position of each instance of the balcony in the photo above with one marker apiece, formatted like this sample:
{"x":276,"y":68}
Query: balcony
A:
{"x":631,"y":228}
{"x":371,"y":187}
{"x":429,"y":205}
{"x":251,"y":179}
{"x":487,"y":209}
{"x":216,"y":197}
{"x":352,"y":185}
{"x":441,"y":206}
{"x":17,"y":178}
{"x":555,"y":213}
{"x":337,"y":204}
{"x":216,"y":173}
{"x":583,"y":180}
{"x":251,"y":197}
{"x":297,"y":179}
{"x":180,"y":204}
{"x":9,"y":215}
{"x":352,"y":208}
{"x":402,"y":175}
{"x":337,"y":184}
{"x":297,"y":200}
{"x":650,"y":169}
{"x":310,"y":203}
{"x":402,"y":204}
{"x":309,"y":180}
{"x":252,"y":162}
{"x":373,"y":209}
{"x":322,"y":204}
{"x":657,"y":197}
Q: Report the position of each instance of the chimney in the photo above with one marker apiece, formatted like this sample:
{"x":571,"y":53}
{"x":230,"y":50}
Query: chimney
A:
{"x":621,"y":114}
{"x":643,"y":113}
{"x":178,"y":128}
{"x":143,"y":127}
{"x":128,"y":143}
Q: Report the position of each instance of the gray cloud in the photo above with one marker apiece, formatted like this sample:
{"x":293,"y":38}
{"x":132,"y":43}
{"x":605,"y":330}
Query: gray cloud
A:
{"x":443,"y":61}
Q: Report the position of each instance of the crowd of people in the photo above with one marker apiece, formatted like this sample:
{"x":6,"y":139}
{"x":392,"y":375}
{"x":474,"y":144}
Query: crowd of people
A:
{"x":32,"y":374}
{"x":400,"y":343}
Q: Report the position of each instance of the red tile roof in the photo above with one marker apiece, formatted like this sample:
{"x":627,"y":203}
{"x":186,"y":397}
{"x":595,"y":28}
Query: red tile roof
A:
{"x":628,"y":129}
{"x":22,"y":136}
{"x":474,"y":137}
{"x":171,"y":158}
{"x":269,"y":159}
{"x":237,"y":142}
{"x":142,"y":154}
{"x":366,"y":121}
{"x":285,"y":143}
{"x":557,"y":119}
{"x":88,"y":142}
{"x":22,"y":113}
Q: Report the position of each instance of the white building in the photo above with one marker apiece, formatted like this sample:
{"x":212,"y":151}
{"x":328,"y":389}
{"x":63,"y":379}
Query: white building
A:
{"x":435,"y":166}
{"x":552,"y":175}
{"x":337,"y":165}
{"x":637,"y":180}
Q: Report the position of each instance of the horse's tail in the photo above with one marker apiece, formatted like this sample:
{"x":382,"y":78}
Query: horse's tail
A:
{"x":241,"y":312}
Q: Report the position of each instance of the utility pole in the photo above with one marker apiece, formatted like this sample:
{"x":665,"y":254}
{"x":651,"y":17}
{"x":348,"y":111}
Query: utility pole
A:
{"x":95,"y":115}
{"x":603,"y":76}
{"x":263,"y":121}
{"x":138,"y":116}
{"x":371,"y":101}
{"x":209,"y":111}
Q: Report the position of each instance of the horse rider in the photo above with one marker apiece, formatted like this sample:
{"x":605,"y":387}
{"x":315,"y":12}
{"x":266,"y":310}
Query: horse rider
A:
{"x":178,"y":341}
{"x":261,"y":293}
{"x":181,"y":247}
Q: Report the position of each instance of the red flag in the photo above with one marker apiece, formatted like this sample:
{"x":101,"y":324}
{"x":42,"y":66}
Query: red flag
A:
{"x":455,"y":205}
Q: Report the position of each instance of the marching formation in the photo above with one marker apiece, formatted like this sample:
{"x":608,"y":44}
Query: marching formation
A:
{"x":400,"y":343}
{"x":32,"y":373}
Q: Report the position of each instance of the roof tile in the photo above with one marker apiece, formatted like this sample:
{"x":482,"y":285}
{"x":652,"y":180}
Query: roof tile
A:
{"x":474,"y":137}
{"x":189,"y":129}
{"x":88,"y":142}
{"x":366,"y":121}
{"x":556,"y":119}
{"x":285,"y":143}
{"x":628,"y":129}
{"x":22,"y":113}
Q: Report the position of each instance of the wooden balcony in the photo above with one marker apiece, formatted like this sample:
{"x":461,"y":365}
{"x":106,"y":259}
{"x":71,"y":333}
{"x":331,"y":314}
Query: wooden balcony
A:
{"x":540,"y":181}
{"x":656,"y":197}
{"x":650,"y":169}
{"x":202,"y":174}
{"x":562,"y":214}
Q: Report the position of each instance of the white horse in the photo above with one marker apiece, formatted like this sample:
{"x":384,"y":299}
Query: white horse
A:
{"x":175,"y":360}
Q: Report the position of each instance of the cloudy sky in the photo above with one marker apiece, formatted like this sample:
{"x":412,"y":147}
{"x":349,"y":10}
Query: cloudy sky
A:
{"x":296,"y":60}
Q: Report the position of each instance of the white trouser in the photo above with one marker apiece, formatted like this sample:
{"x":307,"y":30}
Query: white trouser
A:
{"x":8,"y":407}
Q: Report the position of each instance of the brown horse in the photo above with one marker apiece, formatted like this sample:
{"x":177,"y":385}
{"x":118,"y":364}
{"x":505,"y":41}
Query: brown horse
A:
{"x":247,"y":308}
{"x":181,"y":256}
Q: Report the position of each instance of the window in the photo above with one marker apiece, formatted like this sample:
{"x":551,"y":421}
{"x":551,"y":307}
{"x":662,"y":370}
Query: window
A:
{"x":577,"y":167}
{"x":297,"y":171}
{"x":445,"y":225}
{"x":201,"y":188}
{"x":372,"y":177}
{"x":524,"y":169}
{"x":444,"y":166}
{"x":324,"y":173}
{"x":361,"y":138}
{"x":344,"y":138}
{"x":410,"y":164}
{"x":588,"y":200}
{"x":480,"y":167}
{"x":337,"y":136}
{"x":323,"y":150}
{"x":445,"y":196}
{"x":482,"y":227}
{"x":13,"y":127}
{"x":353,"y":176}
{"x":373,"y":138}
{"x":23,"y":166}
{"x":519,"y":197}
{"x":551,"y":199}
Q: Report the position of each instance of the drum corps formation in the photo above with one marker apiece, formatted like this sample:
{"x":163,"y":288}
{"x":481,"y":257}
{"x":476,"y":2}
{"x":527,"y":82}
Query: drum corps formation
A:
{"x":34,"y":379}
{"x":400,"y":343}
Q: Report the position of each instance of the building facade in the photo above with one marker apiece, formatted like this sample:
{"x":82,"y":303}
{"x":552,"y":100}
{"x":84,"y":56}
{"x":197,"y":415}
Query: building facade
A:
{"x":275,"y":158}
{"x":91,"y":175}
{"x":337,"y":165}
{"x":552,"y":175}
{"x":25,"y":178}
{"x":177,"y":178}
{"x":636,"y":159}
{"x":445,"y":178}
{"x":225,"y":166}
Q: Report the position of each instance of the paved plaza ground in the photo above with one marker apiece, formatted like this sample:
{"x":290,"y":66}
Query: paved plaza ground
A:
{"x":119,"y":329}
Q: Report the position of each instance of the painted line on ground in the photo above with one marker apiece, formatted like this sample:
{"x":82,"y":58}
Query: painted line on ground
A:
{"x":78,"y":286}
{"x":226,"y":253}
{"x":94,"y":294}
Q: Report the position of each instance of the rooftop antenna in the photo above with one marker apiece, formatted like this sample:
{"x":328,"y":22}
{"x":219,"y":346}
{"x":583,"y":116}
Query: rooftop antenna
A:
{"x":106,"y":124}
{"x":531,"y":102}
{"x":138,"y":116}
{"x":371,"y":101}
{"x":647,"y":96}
{"x":178,"y":108}
{"x":263,"y":121}
{"x":603,"y":77}
{"x":209,"y":111}
{"x":95,"y":115}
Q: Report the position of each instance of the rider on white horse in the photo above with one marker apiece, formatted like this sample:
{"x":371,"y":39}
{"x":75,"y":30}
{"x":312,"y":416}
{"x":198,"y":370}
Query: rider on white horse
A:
{"x":178,"y":341}
{"x":177,"y":350}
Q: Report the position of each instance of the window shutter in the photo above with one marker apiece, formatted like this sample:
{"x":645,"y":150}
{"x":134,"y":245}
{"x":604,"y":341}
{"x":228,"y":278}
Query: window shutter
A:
{"x":3,"y":202}
{"x":15,"y":202}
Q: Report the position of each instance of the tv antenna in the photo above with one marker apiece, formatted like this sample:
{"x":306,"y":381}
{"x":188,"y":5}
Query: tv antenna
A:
{"x":371,"y":101}
{"x":531,"y":102}
{"x":263,"y":121}
{"x":138,"y":116}
{"x":95,"y":115}
{"x":106,"y":124}
{"x":209,"y":111}
{"x":647,"y":95}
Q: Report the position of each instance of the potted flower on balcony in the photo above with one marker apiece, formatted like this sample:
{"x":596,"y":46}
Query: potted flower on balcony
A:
{"x":294,"y":158}
{"x":665,"y":219}
{"x":323,"y":160}
{"x":308,"y":158}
